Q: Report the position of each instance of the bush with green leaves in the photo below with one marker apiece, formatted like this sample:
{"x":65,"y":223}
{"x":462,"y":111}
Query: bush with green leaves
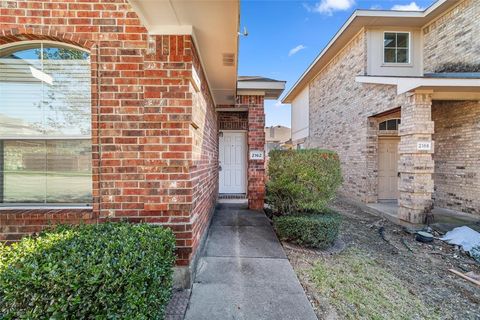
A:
{"x":98,"y":271}
{"x":302,"y":180}
{"x":309,"y":230}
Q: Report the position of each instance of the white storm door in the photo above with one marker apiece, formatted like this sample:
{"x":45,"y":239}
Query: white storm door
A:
{"x":232,"y":156}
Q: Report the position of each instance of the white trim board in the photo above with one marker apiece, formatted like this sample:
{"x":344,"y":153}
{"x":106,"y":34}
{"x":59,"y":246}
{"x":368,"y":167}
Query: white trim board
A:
{"x":406,"y":84}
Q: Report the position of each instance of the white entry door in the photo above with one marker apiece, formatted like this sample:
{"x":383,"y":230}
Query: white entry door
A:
{"x":388,"y":168}
{"x":233,"y":157}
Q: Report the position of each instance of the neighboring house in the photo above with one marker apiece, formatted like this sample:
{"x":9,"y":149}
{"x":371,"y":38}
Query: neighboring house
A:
{"x":299,"y":119}
{"x":396,"y":95}
{"x":116,"y":110}
{"x":277,"y":137}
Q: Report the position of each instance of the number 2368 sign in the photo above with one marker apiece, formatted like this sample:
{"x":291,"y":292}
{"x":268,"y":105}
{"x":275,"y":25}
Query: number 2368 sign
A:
{"x":256,"y":155}
{"x":424,"y":145}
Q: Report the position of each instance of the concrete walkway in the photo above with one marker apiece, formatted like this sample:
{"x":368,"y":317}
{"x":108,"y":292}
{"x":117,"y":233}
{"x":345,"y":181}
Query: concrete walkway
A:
{"x":244,"y":273}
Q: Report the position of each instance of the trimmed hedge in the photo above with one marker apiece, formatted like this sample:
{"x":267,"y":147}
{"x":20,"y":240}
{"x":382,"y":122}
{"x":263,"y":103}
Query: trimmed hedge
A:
{"x":310,"y":230}
{"x":101,"y":271}
{"x":302,"y":180}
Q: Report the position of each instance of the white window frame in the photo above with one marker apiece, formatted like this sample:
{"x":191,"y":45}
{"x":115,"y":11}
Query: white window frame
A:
{"x":18,"y":44}
{"x":409,"y":48}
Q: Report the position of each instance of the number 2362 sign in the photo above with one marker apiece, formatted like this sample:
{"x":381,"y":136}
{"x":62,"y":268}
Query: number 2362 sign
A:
{"x":257,"y":155}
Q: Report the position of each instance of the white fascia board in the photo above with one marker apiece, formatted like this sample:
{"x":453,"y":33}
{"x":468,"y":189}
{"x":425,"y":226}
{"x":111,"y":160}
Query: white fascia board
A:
{"x":390,"y":13}
{"x":252,"y":92}
{"x":264,"y":85}
{"x":171,"y":30}
{"x":408,"y":84}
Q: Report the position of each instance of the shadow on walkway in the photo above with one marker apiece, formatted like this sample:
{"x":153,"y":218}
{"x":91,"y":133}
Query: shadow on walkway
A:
{"x":243,"y":272}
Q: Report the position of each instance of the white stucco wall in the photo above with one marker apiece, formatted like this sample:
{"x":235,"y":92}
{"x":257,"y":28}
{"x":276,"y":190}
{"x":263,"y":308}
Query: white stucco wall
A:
{"x":300,"y":117}
{"x":375,"y":64}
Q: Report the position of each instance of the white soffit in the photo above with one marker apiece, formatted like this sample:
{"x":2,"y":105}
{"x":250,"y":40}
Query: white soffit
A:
{"x":214,"y":27}
{"x":366,"y":19}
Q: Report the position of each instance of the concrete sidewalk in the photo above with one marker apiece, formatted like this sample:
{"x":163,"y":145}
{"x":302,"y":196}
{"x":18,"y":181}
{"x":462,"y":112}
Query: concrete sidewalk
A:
{"x":244,"y":273}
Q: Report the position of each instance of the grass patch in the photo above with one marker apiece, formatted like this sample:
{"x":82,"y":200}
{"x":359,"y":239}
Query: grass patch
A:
{"x":359,"y":288}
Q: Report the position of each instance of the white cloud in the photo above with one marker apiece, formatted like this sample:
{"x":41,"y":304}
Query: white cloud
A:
{"x":278,"y":104}
{"x":296,"y":49}
{"x":329,"y":6}
{"x":407,"y":7}
{"x":376,"y":7}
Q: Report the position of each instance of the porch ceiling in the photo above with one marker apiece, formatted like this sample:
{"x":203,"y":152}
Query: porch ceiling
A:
{"x":441,"y":88}
{"x":214,"y":27}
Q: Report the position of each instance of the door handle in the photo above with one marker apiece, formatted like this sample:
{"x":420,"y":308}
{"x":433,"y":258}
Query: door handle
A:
{"x":219,"y":168}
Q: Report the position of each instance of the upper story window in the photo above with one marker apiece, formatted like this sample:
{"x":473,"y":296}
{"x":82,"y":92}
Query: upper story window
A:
{"x":45,"y":124}
{"x":396,"y":47}
{"x":391,"y":124}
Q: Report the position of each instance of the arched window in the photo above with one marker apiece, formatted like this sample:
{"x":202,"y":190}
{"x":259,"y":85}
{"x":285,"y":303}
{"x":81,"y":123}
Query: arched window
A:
{"x":391,"y":124}
{"x":45,"y":124}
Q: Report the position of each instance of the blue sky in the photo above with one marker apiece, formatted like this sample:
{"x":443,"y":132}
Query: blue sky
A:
{"x":285,"y":36}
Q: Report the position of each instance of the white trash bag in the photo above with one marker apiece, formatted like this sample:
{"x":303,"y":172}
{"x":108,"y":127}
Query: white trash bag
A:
{"x":464,"y":236}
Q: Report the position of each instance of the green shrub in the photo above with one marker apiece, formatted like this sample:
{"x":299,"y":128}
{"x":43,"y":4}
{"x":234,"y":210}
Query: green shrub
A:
{"x":302,"y":180}
{"x":310,"y":230}
{"x":102,"y":271}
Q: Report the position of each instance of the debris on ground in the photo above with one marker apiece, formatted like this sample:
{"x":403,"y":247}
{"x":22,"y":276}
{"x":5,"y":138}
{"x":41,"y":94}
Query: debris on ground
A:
{"x":406,"y":245}
{"x":424,"y":237}
{"x":465,"y":237}
{"x":465,"y":276}
{"x":424,"y":271}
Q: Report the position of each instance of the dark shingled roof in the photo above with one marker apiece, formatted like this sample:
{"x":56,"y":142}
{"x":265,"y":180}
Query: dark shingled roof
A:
{"x":456,"y":75}
{"x":257,"y":78}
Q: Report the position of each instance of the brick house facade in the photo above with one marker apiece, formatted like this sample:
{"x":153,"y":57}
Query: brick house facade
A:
{"x":154,"y":121}
{"x":352,"y":96}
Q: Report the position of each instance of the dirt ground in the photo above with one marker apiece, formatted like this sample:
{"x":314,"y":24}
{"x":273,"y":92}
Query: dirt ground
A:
{"x":424,"y":272}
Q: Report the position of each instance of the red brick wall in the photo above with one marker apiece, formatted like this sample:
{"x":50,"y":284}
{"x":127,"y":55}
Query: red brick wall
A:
{"x":145,"y":157}
{"x":204,"y":169}
{"x":256,"y":141}
{"x":233,"y":120}
{"x":15,"y":224}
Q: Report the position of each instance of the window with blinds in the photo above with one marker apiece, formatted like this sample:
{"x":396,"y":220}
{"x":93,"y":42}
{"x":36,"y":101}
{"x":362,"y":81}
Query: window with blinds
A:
{"x":45,"y":125}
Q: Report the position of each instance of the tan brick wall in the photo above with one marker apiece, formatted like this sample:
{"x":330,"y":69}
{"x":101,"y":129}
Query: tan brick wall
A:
{"x":343,"y":114}
{"x":457,"y":155}
{"x":453,"y":37}
{"x":339,"y":117}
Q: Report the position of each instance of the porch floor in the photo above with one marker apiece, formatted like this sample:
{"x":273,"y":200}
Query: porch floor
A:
{"x":444,"y":219}
{"x":244,"y":273}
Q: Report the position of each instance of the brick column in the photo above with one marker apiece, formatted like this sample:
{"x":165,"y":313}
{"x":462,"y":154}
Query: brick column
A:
{"x":416,"y":164}
{"x":256,"y":141}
